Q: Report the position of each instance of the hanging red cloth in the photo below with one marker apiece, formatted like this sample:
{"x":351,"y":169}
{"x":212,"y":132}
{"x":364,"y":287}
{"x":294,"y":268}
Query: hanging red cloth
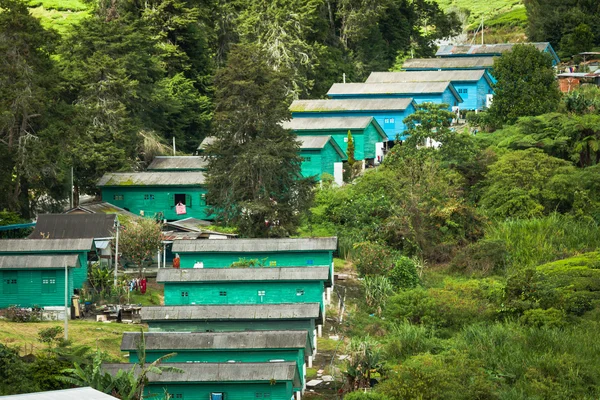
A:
{"x":176,"y":262}
{"x":143,"y":283}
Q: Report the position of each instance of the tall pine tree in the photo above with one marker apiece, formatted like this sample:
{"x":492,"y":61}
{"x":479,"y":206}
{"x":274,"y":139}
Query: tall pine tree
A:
{"x":254,"y":177}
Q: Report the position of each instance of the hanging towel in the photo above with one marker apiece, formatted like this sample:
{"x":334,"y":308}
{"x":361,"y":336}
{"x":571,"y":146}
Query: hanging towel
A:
{"x":180,"y":209}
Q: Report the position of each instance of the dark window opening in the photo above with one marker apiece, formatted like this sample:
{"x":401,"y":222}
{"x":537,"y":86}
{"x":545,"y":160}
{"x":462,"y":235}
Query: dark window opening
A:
{"x":222,"y":293}
{"x":180,"y":198}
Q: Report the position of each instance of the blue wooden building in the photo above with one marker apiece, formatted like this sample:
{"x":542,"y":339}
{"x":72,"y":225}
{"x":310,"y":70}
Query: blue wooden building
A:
{"x":491,"y":50}
{"x":448,"y":64}
{"x":221,"y":381}
{"x":237,"y":318}
{"x":33,"y":272}
{"x":223,"y":347}
{"x":389,"y":113}
{"x":366,"y":133}
{"x":420,"y":92}
{"x":473,"y":86}
{"x":156,"y":193}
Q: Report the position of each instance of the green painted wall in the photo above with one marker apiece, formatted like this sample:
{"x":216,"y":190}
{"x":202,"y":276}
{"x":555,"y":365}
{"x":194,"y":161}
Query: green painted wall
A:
{"x":340,"y":137}
{"x":241,"y":355}
{"x":35,"y":287}
{"x":231,"y":391}
{"x":235,"y":326}
{"x":316,"y":162}
{"x":271,"y":259}
{"x":275,"y":292}
{"x":371,"y":136}
{"x":153,"y":200}
{"x":312,"y":164}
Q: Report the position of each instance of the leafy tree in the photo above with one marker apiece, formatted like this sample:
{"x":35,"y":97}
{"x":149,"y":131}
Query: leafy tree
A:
{"x":140,"y":240}
{"x":254,"y":177}
{"x":28,"y":96}
{"x":350,"y":151}
{"x":526,"y":85}
{"x":526,"y":184}
{"x":365,"y":358}
{"x":563,"y":23}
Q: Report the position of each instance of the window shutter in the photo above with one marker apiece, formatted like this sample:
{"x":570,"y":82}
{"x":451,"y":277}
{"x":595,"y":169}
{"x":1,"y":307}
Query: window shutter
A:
{"x":188,"y":200}
{"x":172,"y":200}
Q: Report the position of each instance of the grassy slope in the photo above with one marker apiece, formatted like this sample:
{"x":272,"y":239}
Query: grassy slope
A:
{"x":58,"y":14}
{"x":106,"y":336}
{"x":505,"y":20}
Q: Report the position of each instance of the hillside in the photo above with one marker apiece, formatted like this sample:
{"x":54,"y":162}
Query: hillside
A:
{"x":58,"y":14}
{"x":505,"y":20}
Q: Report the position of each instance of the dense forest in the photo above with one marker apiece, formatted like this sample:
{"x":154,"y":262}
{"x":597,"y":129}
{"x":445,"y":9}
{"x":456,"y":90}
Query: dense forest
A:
{"x":133,"y":75}
{"x":477,"y":264}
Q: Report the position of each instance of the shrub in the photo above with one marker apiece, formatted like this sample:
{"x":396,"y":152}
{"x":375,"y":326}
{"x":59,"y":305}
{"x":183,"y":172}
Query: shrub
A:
{"x":550,"y":318}
{"x":359,"y":395}
{"x":372,"y":258}
{"x":405,"y":340}
{"x":571,"y":285}
{"x":449,"y":307}
{"x":483,"y":257}
{"x":404,"y":273}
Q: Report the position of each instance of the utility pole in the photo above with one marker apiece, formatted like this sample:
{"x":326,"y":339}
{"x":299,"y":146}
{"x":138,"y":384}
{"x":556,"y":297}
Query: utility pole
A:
{"x":482,"y":29}
{"x":344,"y":77}
{"x":72,"y":204}
{"x":116,"y":251}
{"x":173,"y":145}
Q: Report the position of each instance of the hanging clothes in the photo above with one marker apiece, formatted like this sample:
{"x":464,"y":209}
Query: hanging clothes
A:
{"x":180,"y":209}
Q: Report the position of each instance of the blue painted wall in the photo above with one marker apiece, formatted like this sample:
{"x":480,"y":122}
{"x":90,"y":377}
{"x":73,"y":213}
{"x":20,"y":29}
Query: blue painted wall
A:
{"x":391,"y":121}
{"x":473,"y":94}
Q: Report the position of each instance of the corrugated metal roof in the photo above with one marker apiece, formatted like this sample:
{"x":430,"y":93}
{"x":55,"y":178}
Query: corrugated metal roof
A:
{"x":256,"y":245}
{"x":242,"y":274}
{"x":219,"y":372}
{"x":45,"y":245}
{"x":480,"y":49}
{"x":180,"y":162}
{"x":426,"y":76}
{"x":73,"y":226}
{"x":35,"y":261}
{"x":459,"y":62}
{"x":152,"y":179}
{"x":313,"y":142}
{"x":329,"y":123}
{"x":216,"y":340}
{"x":242,"y":312}
{"x":406,"y":88}
{"x":350,"y":105}
{"x":100,"y":207}
{"x":86,"y":393}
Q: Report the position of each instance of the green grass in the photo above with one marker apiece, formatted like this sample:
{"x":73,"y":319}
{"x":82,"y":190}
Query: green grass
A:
{"x":537,"y":241}
{"x":59,"y":14}
{"x":487,"y":8}
{"x":106,"y":336}
{"x":60,"y":5}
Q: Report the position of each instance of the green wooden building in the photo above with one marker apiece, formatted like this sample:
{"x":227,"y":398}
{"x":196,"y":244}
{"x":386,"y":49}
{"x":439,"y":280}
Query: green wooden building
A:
{"x":321,"y":155}
{"x":298,"y":252}
{"x":366,"y":132}
{"x":178,"y":164}
{"x":223,"y":347}
{"x":237,"y":318}
{"x":156,"y":193}
{"x":222,"y":381}
{"x":268,"y":285}
{"x":33,"y":271}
